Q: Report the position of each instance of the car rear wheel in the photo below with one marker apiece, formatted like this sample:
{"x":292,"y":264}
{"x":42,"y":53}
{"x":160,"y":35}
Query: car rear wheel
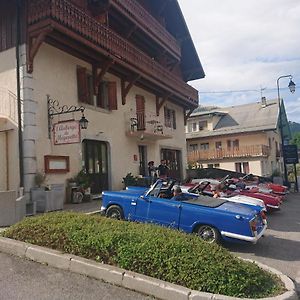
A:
{"x":209,"y":234}
{"x":115,"y":212}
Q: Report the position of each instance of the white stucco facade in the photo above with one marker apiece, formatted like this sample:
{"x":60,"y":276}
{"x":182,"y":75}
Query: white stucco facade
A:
{"x":55,"y":75}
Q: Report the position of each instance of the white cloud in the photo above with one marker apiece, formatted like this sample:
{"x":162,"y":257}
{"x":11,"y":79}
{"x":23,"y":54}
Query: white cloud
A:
{"x":246,"y":45}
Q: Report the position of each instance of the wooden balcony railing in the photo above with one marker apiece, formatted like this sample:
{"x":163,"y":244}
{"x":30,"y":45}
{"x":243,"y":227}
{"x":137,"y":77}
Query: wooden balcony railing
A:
{"x":240,"y":152}
{"x":66,"y":14}
{"x":8,"y":105}
{"x":148,"y":24}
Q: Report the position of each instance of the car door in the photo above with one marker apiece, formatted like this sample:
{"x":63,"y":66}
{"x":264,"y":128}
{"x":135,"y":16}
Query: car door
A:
{"x":164,"y":211}
{"x":140,"y":209}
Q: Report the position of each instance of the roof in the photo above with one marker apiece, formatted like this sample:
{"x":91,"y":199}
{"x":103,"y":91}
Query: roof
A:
{"x":250,"y":117}
{"x":190,"y":63}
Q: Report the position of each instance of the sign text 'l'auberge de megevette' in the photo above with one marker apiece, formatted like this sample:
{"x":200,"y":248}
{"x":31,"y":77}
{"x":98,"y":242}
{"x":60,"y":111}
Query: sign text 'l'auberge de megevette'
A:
{"x":67,"y":132}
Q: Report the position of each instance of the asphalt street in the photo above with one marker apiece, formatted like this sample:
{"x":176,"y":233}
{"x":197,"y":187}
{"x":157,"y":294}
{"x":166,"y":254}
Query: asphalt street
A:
{"x":27,"y":280}
{"x":280,"y":247}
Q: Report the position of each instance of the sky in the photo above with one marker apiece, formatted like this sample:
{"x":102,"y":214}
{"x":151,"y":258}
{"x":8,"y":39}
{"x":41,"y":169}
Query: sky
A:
{"x":246,"y":46}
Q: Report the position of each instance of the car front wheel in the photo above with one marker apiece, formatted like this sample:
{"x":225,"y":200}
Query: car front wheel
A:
{"x":115,"y":212}
{"x":209,"y":234}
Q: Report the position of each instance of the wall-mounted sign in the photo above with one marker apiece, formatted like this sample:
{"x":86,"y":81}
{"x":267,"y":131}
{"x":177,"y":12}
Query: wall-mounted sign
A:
{"x":290,"y":154}
{"x":56,"y":164}
{"x":67,"y":132}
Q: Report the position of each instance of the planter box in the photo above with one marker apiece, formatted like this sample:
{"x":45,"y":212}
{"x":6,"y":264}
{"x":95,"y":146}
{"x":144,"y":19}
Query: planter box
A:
{"x":49,"y":200}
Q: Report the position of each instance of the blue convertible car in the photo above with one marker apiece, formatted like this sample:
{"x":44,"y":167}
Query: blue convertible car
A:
{"x":212,"y":219}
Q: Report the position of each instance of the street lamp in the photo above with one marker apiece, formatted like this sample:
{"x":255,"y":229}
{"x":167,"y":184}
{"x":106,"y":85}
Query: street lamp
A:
{"x":292,"y":87}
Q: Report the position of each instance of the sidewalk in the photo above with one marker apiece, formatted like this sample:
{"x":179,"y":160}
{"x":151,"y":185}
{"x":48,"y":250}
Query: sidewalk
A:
{"x":85,"y":207}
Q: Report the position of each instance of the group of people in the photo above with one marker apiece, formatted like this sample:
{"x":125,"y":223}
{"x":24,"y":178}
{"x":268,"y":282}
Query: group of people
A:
{"x":162,"y":171}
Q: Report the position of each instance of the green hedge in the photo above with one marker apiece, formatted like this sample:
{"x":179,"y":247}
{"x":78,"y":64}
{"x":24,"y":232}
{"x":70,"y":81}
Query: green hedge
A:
{"x":151,"y":250}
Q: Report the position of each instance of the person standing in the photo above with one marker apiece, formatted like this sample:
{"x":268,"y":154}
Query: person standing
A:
{"x":163,"y":169}
{"x":152,"y":170}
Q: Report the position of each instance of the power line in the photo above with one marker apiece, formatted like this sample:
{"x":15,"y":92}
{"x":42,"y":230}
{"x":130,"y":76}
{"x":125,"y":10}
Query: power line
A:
{"x":241,"y":91}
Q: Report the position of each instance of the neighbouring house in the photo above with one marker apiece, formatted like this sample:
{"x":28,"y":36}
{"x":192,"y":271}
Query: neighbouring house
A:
{"x":121,"y":65}
{"x":242,"y":138}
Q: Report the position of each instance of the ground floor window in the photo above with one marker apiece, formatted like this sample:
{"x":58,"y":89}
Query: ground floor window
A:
{"x":242,"y":167}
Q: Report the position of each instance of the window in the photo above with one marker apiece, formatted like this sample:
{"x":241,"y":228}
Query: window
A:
{"x":170,"y":118}
{"x":204,"y":146}
{"x":242,"y":167}
{"x":202,"y":125}
{"x":235,"y":143}
{"x":85,"y":86}
{"x":210,"y":166}
{"x":194,"y":127}
{"x":107,"y":91}
{"x":107,"y":95}
{"x":216,"y":165}
{"x":218,"y":145}
{"x":194,"y":147}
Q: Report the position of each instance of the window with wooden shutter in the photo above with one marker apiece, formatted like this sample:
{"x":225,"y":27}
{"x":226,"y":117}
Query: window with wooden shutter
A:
{"x":112,"y":96}
{"x":82,"y":85}
{"x":140,"y":112}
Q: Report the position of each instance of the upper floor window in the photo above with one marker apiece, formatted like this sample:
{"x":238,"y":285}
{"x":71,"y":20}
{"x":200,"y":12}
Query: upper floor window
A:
{"x":202,"y":125}
{"x":235,"y":143}
{"x":170,"y":118}
{"x":194,"y":126}
{"x":204,"y":146}
{"x":218,"y":145}
{"x":193,"y":147}
{"x":107,"y":91}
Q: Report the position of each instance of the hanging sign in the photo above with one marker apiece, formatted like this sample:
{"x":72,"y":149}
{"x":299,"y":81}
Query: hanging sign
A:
{"x":67,"y":132}
{"x":290,"y":154}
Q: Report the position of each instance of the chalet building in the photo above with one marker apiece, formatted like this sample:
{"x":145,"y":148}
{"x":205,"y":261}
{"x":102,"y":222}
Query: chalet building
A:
{"x":121,"y":65}
{"x":242,"y":138}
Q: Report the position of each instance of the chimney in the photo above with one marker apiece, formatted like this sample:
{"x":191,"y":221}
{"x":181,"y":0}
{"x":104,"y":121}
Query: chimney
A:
{"x":263,"y":102}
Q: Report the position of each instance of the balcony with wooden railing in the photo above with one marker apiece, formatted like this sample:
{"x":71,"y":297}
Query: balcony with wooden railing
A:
{"x":8,"y":110}
{"x":146,"y":126}
{"x":68,"y":19}
{"x":141,"y":17}
{"x":240,"y":152}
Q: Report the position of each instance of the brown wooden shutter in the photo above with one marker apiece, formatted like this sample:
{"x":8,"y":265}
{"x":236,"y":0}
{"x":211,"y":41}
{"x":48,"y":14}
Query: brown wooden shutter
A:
{"x":82,"y":85}
{"x":174,"y":119}
{"x":112,"y":95}
{"x":140,"y":112}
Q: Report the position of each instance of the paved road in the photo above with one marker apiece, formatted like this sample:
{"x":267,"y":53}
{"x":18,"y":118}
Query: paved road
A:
{"x":280,"y":247}
{"x":21,"y":279}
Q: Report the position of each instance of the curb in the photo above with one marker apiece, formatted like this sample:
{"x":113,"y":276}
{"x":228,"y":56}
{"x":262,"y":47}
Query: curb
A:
{"x":127,"y":279}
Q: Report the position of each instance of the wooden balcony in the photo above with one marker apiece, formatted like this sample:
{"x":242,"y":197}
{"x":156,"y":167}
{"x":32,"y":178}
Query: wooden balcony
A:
{"x":146,"y":126}
{"x":241,"y":152}
{"x":63,"y":17}
{"x":145,"y":21}
{"x":8,"y":110}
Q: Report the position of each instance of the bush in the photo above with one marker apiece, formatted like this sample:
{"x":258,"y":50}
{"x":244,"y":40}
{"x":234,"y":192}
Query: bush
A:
{"x":151,"y":250}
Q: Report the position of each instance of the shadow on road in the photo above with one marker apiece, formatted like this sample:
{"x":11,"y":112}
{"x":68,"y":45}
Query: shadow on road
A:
{"x":269,"y":247}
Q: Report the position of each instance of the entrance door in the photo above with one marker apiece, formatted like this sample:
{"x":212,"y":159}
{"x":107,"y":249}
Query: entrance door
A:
{"x":96,"y":164}
{"x":142,"y":160}
{"x":173,"y":158}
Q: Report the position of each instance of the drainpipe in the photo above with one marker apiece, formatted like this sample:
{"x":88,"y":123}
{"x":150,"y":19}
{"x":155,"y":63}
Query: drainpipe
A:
{"x":18,"y":42}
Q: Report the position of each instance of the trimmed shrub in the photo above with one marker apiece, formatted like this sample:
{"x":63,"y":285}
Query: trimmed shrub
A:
{"x":151,"y":250}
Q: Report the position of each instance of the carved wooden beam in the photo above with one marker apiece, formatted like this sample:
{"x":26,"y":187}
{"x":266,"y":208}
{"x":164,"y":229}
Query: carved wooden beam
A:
{"x":125,"y":89}
{"x":99,"y":76}
{"x":187,"y":114}
{"x":34,"y":44}
{"x":159,"y":104}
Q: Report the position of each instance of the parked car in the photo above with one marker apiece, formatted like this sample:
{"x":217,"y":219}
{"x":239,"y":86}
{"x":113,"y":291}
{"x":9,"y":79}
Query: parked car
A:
{"x":214,"y":220}
{"x":204,"y":187}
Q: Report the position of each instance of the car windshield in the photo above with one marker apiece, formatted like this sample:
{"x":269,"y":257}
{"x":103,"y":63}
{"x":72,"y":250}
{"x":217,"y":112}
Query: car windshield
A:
{"x":159,"y":187}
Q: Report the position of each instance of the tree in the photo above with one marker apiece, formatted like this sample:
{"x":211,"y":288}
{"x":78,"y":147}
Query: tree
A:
{"x":296,"y":139}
